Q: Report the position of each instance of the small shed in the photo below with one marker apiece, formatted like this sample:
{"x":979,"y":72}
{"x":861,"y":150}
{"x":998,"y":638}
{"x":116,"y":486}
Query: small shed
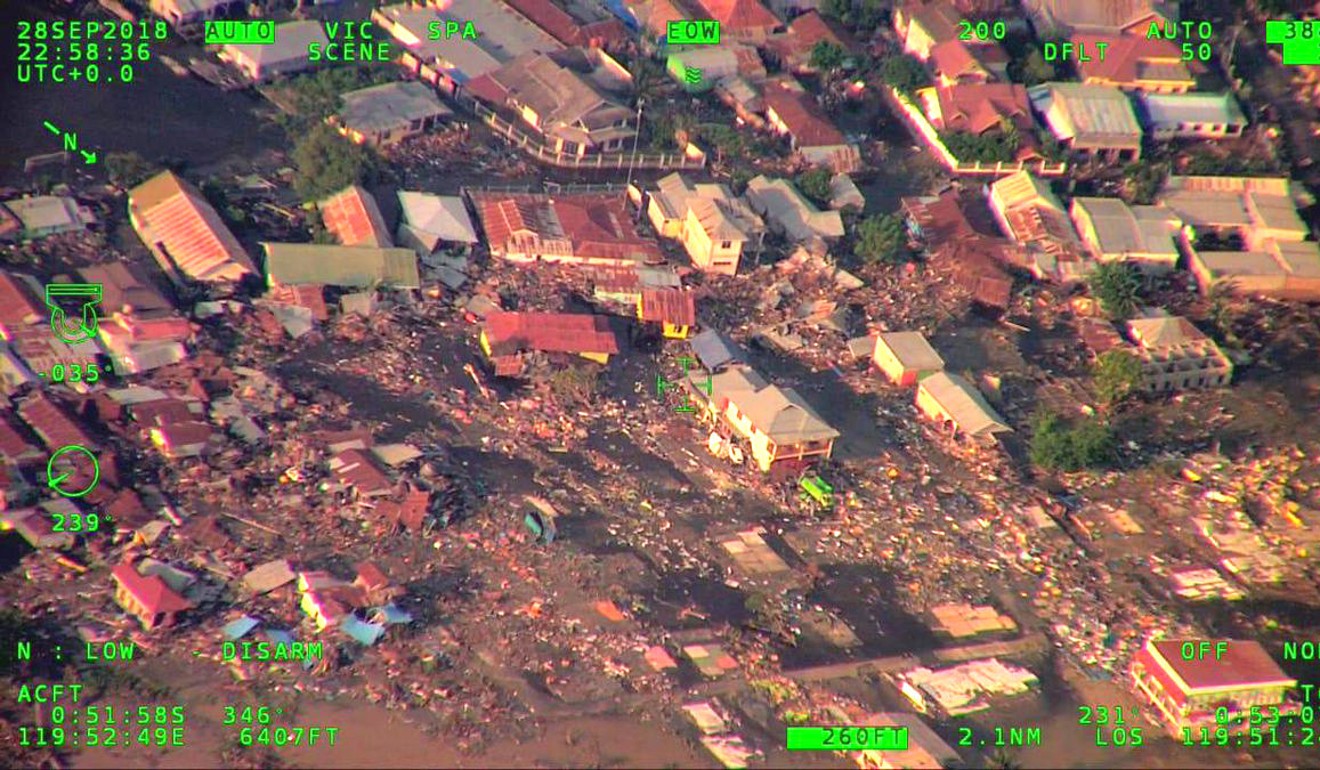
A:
{"x":905,"y":357}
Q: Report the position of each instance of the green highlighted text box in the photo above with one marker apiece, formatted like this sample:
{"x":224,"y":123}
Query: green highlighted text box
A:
{"x":694,"y":32}
{"x":240,"y":32}
{"x":847,"y":739}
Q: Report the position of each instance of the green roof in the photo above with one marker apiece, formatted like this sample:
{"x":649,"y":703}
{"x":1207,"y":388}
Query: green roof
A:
{"x":295,"y":264}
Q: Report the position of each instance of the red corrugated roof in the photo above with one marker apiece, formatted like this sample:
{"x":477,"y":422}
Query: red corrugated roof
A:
{"x":176,"y":435}
{"x":149,"y":590}
{"x":567,"y":30}
{"x":1124,"y":56}
{"x":1243,"y":663}
{"x":17,"y":305}
{"x":356,"y":469}
{"x":169,"y":211}
{"x":55,"y":428}
{"x":551,"y":332}
{"x":353,"y":217}
{"x":804,"y":119}
{"x":979,"y":107}
{"x":591,"y":226}
{"x":12,"y":444}
{"x":673,"y":306}
{"x":738,"y":15}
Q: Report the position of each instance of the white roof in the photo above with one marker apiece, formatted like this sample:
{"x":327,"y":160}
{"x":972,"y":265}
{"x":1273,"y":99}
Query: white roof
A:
{"x":779,"y":200}
{"x":463,"y":58}
{"x":1169,"y":110}
{"x":45,"y":212}
{"x":912,"y":350}
{"x":963,"y":403}
{"x":291,"y":41}
{"x":1124,"y":229}
{"x":1089,"y":114}
{"x":442,"y":217}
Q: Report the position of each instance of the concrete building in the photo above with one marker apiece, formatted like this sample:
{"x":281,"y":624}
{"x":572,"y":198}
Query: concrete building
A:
{"x":1193,"y":684}
{"x":1258,"y":209}
{"x":1175,"y":355}
{"x":1117,"y":232}
{"x":1032,"y":215}
{"x":1092,"y":121}
{"x":1284,"y":270}
{"x":288,"y":55}
{"x":43,"y":215}
{"x":389,"y":113}
{"x":905,"y":357}
{"x":1190,"y":116}
{"x":958,"y":407}
{"x":714,"y":226}
{"x":778,"y":424}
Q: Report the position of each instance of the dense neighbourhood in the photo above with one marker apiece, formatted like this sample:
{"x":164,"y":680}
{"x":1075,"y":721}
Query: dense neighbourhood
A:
{"x":556,"y":379}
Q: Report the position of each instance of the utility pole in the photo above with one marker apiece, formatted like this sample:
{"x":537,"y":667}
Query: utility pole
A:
{"x":637,"y":137}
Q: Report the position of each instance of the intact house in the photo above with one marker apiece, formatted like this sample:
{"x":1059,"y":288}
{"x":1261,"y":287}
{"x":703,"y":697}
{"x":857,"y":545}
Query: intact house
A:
{"x":700,"y":68}
{"x":793,"y":49}
{"x":1175,"y":355}
{"x":43,"y":215}
{"x":714,"y":226}
{"x":1284,"y":270}
{"x":778,"y":424}
{"x":1092,"y":121}
{"x":787,"y":211}
{"x":743,"y":20}
{"x":1053,"y":18}
{"x":288,"y":55}
{"x":1190,"y":116}
{"x":184,"y":233}
{"x":585,"y":229}
{"x":958,"y":407}
{"x":577,"y":24}
{"x":571,"y":113}
{"x":389,"y":113}
{"x":905,"y":357}
{"x":147,"y":597}
{"x":1194,"y":692}
{"x":675,"y":310}
{"x":931,"y":30}
{"x":1134,"y":63}
{"x":793,"y":112}
{"x":506,"y":337}
{"x":354,"y":219}
{"x":959,"y":61}
{"x":1028,"y":211}
{"x":187,"y":14}
{"x":1114,"y":231}
{"x":448,"y":62}
{"x":982,"y":109}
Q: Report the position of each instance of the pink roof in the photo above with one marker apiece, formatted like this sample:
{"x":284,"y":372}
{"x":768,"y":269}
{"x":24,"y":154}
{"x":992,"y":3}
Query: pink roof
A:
{"x":357,"y":470}
{"x":979,"y":107}
{"x":551,"y":332}
{"x":150,"y":591}
{"x":12,"y":444}
{"x":1242,"y":664}
{"x":739,"y":15}
{"x":168,"y":211}
{"x":353,"y":217}
{"x":177,"y":435}
{"x":804,"y":119}
{"x":55,"y":428}
{"x":18,"y":307}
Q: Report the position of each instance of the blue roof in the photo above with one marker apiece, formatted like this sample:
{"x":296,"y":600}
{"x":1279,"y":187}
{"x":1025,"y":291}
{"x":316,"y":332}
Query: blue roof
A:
{"x":237,"y":629}
{"x":390,"y":614}
{"x":361,"y":632}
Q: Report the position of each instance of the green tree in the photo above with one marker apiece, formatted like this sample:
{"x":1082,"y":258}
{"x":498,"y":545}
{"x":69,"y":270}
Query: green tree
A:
{"x":1118,"y":288}
{"x":725,"y":139}
{"x":325,"y":162}
{"x":815,"y":184}
{"x":1117,"y":373}
{"x":993,"y":147}
{"x":1032,"y":69}
{"x":827,"y":56}
{"x":1056,"y":445}
{"x":858,"y":15}
{"x":128,"y":169}
{"x":905,"y":73}
{"x":1143,"y":181}
{"x":881,"y":239}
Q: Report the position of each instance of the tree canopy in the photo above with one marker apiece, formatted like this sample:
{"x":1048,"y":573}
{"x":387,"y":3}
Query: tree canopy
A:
{"x":1117,"y":373}
{"x":128,"y":169}
{"x":815,"y":184}
{"x":1142,"y":181}
{"x":827,"y":56}
{"x":1118,"y":288}
{"x":905,"y":73}
{"x":1057,"y":445}
{"x":326,"y":162}
{"x":992,"y":147}
{"x":881,"y":239}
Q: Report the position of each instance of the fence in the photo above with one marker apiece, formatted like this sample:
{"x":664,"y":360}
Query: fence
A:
{"x":922,"y":127}
{"x":533,"y":147}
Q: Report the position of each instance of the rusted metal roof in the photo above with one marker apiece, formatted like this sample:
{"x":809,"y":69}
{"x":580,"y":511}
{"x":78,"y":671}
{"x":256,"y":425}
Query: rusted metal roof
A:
{"x":171,"y":214}
{"x":55,"y":428}
{"x":673,"y":306}
{"x":550,"y":332}
{"x":353,"y":217}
